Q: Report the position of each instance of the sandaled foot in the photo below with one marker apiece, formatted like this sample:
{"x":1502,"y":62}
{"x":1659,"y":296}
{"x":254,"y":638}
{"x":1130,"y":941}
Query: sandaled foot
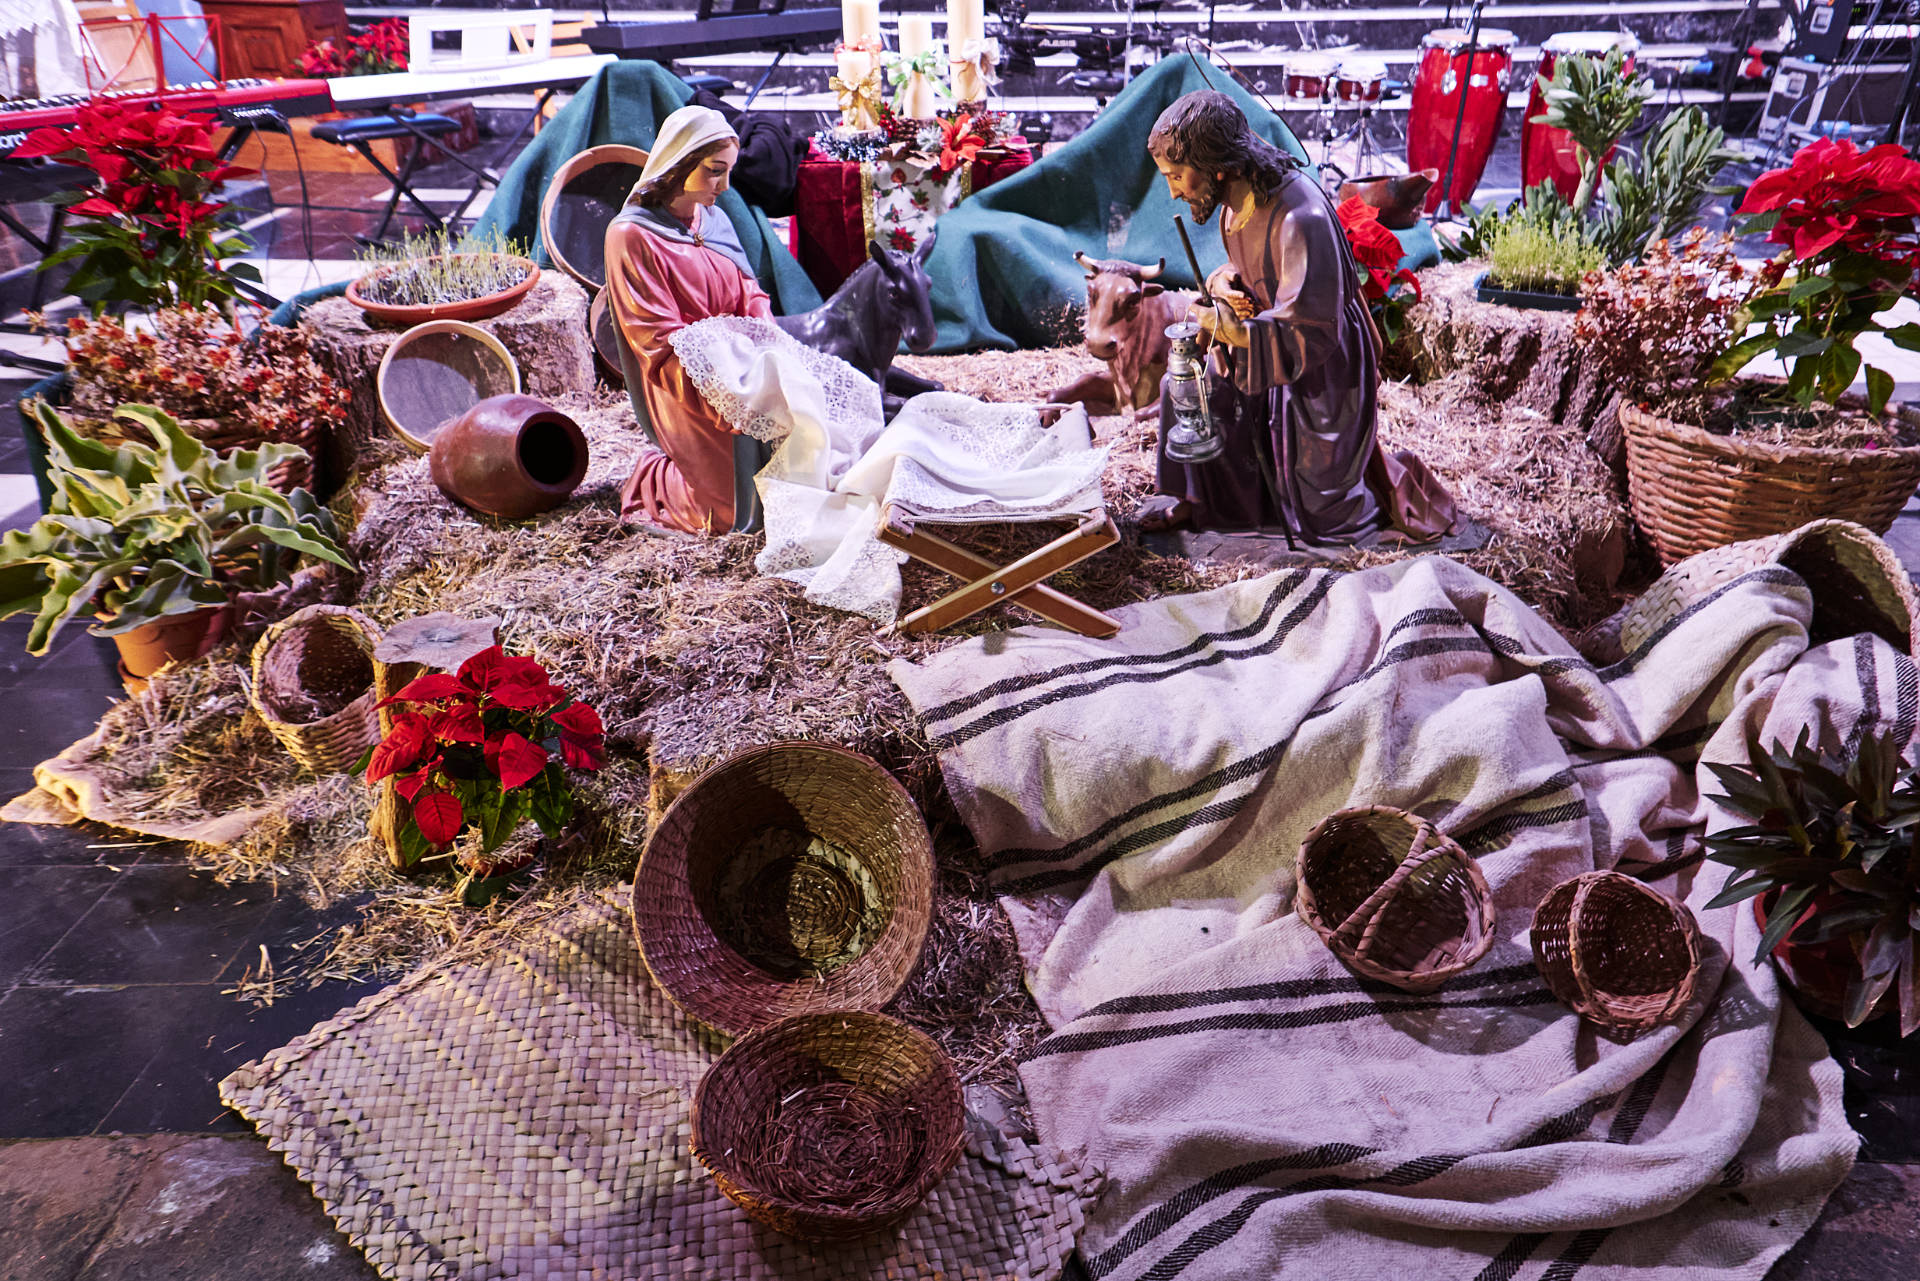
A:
{"x":1163,"y":512}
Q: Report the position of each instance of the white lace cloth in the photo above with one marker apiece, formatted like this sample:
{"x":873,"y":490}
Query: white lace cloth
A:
{"x":945,"y":457}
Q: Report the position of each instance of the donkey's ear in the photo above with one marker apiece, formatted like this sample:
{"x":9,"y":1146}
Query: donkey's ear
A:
{"x":877,"y":251}
{"x":926,"y":246}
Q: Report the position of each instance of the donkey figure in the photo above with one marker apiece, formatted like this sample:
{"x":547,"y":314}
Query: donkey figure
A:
{"x":886,"y":299}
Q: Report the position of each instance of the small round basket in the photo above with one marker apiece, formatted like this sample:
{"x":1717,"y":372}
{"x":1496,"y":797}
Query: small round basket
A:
{"x":788,"y":879}
{"x":313,"y":685}
{"x":829,"y":1126}
{"x":1395,"y":899}
{"x":1618,"y":953}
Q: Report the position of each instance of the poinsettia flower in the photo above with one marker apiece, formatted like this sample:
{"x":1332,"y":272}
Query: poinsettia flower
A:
{"x":510,"y":680}
{"x":409,"y":785}
{"x":45,"y":142}
{"x":458,"y":723}
{"x":514,"y":759}
{"x":402,"y":749}
{"x":583,"y":742}
{"x":438,"y":816}
{"x":95,"y":207}
{"x":431,"y":688}
{"x":1375,"y":248}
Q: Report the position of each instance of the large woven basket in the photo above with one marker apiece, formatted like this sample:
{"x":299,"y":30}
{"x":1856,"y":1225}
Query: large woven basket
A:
{"x":788,"y":879}
{"x":1858,"y":584}
{"x":830,"y":1126}
{"x":313,"y":677}
{"x":1618,"y":953}
{"x":1690,"y":489}
{"x":1394,"y":898}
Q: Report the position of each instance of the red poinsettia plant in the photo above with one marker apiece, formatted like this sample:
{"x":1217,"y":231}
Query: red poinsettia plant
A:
{"x":960,"y":141}
{"x":484,"y":748}
{"x":1846,"y":219}
{"x":1379,"y":254}
{"x":379,"y":49}
{"x":153,"y":233}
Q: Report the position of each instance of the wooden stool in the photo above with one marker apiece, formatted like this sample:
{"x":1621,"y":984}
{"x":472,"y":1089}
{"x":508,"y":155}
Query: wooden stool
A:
{"x":1020,"y":582}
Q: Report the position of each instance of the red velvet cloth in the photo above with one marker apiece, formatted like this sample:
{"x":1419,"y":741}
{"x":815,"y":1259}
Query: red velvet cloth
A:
{"x":829,"y":225}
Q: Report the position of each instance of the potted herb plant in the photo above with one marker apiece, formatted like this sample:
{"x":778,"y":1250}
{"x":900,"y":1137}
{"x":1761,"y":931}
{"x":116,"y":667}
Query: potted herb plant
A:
{"x":1829,"y":862}
{"x":431,"y":278}
{"x":481,"y":751}
{"x":1713,"y":459}
{"x":156,"y":541}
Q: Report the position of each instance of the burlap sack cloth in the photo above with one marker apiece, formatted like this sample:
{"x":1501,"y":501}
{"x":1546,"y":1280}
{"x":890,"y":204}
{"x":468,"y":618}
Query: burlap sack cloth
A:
{"x":1259,"y":1111}
{"x":527,"y":1116}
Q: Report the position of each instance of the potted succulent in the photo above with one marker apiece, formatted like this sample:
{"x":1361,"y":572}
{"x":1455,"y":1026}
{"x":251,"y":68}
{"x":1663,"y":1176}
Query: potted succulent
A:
{"x":1712,"y":459}
{"x":478,"y":752}
{"x":1829,"y":862}
{"x":431,"y":278}
{"x":156,"y":540}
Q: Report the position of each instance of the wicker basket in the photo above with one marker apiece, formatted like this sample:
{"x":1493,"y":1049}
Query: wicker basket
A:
{"x":1858,"y":584}
{"x":788,"y":879}
{"x":1618,"y":953}
{"x":830,"y":1126}
{"x":1393,"y":897}
{"x":313,"y":685}
{"x":1690,"y":489}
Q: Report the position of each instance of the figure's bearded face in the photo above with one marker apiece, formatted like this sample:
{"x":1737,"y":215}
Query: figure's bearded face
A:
{"x":1200,"y":189}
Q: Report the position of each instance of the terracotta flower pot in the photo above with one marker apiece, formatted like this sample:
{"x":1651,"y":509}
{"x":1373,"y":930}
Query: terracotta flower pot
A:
{"x":509,"y":456}
{"x":1818,"y":973}
{"x":467,"y":309}
{"x":176,"y":638}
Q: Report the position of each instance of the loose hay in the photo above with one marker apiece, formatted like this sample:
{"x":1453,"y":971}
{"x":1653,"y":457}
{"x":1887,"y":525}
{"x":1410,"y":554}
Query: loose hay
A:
{"x":690,"y":655}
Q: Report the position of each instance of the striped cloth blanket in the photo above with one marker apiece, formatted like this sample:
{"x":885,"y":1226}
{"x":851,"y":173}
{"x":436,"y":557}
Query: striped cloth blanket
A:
{"x":1260,"y":1111}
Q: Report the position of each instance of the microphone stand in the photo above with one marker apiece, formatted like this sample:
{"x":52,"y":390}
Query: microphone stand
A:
{"x":1446,"y":209}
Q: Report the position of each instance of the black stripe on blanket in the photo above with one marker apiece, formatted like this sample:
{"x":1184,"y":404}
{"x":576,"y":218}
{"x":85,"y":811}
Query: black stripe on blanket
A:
{"x":1299,"y":614}
{"x":1269,"y":1021}
{"x":1493,"y":830}
{"x":1292,"y":989}
{"x":1007,"y":685}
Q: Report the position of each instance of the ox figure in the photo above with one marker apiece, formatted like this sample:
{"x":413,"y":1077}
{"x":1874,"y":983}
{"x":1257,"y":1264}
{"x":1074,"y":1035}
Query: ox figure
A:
{"x":1128,"y":312}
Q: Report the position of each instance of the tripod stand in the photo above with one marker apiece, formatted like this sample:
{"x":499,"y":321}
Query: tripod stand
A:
{"x":1368,"y":157}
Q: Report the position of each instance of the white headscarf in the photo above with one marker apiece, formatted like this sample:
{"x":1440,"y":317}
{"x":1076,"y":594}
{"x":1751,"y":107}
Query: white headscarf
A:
{"x":681,"y":134}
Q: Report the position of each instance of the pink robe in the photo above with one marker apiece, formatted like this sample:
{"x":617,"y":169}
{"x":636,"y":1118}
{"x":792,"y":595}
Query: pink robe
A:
{"x":656,"y":287}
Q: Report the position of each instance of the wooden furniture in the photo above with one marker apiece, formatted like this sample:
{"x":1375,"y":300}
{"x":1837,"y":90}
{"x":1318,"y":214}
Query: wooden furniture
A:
{"x":265,"y":38}
{"x":116,"y":41}
{"x":1020,"y":582}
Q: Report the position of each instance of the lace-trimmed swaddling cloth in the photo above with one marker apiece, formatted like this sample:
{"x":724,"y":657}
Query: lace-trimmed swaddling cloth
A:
{"x":945,"y":457}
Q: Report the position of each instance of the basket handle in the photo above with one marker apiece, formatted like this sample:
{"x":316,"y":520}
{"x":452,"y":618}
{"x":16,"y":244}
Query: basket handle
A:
{"x":1354,"y":932}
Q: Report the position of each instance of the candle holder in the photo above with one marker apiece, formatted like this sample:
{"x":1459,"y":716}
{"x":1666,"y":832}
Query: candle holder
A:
{"x":1192,"y":438}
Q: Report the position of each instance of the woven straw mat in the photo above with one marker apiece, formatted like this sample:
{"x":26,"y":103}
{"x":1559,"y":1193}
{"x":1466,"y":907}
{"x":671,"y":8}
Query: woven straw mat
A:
{"x":528,"y":1116}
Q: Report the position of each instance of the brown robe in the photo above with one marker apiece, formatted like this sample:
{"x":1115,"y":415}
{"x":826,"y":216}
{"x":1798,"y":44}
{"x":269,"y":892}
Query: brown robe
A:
{"x":1297,"y":407}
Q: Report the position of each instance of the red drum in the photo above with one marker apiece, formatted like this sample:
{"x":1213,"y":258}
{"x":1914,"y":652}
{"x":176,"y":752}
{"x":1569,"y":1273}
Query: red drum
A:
{"x":1307,"y":75}
{"x":1547,"y":153}
{"x":1437,"y":90}
{"x":1359,"y":80}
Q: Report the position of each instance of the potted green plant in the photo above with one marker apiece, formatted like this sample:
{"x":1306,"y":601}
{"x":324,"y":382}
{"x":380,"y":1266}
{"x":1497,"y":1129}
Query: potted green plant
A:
{"x":156,"y":540}
{"x":479,"y":752}
{"x":1537,"y":261}
{"x":431,"y":277}
{"x":1714,"y":459}
{"x":1829,"y":862}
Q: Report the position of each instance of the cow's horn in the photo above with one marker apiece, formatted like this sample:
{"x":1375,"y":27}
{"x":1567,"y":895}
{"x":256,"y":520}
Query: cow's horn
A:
{"x":1080,"y":256}
{"x":1153,"y":272}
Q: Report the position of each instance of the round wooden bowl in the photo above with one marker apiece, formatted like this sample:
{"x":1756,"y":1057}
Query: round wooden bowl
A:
{"x":831,"y":1126}
{"x":436,"y":372}
{"x":466,"y":309}
{"x":585,"y":195}
{"x":787,"y":879}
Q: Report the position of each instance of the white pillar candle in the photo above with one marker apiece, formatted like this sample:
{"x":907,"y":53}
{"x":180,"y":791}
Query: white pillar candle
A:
{"x":966,"y":22}
{"x":916,"y":37}
{"x":859,"y":21}
{"x":853,"y":66}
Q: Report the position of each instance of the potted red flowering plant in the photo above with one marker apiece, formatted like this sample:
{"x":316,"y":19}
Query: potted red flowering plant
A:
{"x":152,"y":234}
{"x":1379,"y":253}
{"x":481,"y":751}
{"x":381,"y":48}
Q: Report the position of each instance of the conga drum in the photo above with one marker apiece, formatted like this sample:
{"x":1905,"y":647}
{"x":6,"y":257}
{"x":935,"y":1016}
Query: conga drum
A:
{"x":1359,"y":81}
{"x":1547,"y":153}
{"x":1440,"y":81}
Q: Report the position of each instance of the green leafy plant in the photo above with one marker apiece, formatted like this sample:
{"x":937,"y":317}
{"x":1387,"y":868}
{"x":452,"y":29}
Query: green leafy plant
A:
{"x":1646,"y":198}
{"x":139,"y":533}
{"x":1596,"y":100}
{"x":1542,"y":256}
{"x":432,"y":269}
{"x":1834,"y":843}
{"x":485,"y":749}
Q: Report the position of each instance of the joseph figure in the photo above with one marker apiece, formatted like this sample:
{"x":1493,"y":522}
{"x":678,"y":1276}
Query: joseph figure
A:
{"x":1295,"y":364}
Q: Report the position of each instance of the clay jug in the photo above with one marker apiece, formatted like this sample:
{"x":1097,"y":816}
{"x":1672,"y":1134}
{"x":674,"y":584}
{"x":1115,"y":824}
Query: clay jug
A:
{"x":509,"y":456}
{"x":1400,"y":197}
